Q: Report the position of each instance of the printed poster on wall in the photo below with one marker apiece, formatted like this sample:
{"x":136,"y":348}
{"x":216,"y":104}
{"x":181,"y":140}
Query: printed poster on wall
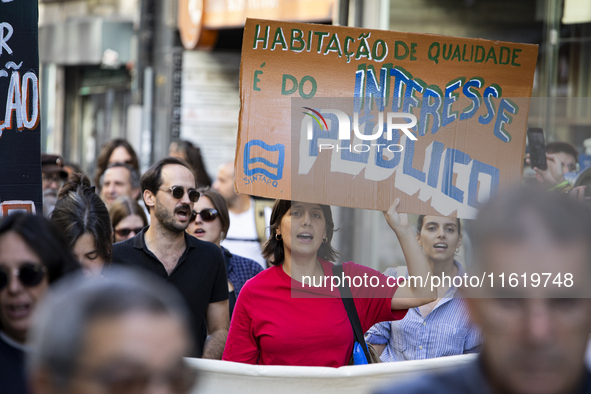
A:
{"x":20,"y":149}
{"x":358,"y":117}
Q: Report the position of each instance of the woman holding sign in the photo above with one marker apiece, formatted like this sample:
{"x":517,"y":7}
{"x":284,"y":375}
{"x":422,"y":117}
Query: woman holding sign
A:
{"x":292,"y":314}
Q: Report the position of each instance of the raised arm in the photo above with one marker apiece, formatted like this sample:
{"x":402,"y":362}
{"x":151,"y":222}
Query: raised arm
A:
{"x":412,"y":294}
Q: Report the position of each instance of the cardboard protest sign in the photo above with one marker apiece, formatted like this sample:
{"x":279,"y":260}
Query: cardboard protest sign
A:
{"x":357,"y":117}
{"x":20,"y":149}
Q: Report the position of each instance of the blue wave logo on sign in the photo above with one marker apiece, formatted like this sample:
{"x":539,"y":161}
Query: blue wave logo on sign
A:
{"x":274,"y":171}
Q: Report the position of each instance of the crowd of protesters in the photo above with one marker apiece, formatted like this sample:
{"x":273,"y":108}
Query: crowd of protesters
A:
{"x":154,"y":270}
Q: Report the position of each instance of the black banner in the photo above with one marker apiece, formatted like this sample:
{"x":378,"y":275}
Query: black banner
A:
{"x":20,"y":148}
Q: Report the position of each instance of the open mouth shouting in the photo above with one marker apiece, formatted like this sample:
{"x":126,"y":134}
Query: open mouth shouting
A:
{"x":440,"y":246}
{"x":20,"y":310}
{"x":305,"y":237}
{"x":183,"y":213}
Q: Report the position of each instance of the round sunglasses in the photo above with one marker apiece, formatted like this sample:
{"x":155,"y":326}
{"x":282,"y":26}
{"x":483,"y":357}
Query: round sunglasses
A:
{"x":29,"y":274}
{"x":207,"y":215}
{"x":178,"y":192}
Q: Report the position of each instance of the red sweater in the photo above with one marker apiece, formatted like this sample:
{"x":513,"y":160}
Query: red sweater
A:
{"x":270,"y":327}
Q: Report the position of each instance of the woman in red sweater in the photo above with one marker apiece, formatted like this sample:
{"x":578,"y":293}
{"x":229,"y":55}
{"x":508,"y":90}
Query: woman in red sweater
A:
{"x":290,"y":314}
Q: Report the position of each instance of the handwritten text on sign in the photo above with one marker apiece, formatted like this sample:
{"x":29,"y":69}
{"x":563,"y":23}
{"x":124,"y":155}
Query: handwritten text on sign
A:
{"x":20,"y":131}
{"x":462,"y":136}
{"x":22,"y":96}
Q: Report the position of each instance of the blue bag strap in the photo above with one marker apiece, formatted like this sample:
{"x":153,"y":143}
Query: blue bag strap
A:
{"x":349,"y":303}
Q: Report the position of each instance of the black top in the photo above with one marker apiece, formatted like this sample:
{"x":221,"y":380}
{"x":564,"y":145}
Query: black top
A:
{"x":467,"y":379}
{"x":200,"y":276}
{"x":12,"y":369}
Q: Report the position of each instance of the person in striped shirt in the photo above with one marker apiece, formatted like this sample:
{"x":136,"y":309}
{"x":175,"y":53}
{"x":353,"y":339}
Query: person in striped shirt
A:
{"x":442,"y":327}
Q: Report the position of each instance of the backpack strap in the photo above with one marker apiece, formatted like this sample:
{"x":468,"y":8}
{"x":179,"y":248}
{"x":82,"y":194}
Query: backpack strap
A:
{"x":349,"y":303}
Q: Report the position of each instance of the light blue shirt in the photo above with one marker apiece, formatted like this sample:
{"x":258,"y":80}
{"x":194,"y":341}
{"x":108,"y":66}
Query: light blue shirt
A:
{"x":446,"y":331}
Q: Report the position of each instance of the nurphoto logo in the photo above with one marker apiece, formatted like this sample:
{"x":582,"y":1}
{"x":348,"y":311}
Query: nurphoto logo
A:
{"x":344,"y":129}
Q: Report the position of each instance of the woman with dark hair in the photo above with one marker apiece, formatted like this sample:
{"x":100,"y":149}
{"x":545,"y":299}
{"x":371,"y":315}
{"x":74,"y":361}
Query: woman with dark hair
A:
{"x":442,"y":327}
{"x":192,"y":155}
{"x":33,"y":255}
{"x":292,"y":313}
{"x":210,"y":222}
{"x":84,"y":219}
{"x":127,"y":218}
{"x":115,"y":151}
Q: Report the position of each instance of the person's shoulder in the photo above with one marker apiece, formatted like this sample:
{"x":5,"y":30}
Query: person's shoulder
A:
{"x":122,"y":250}
{"x":351,"y":268}
{"x":8,"y":351}
{"x":262,"y":280}
{"x":204,"y":248}
{"x":247,"y":263}
{"x":124,"y":245}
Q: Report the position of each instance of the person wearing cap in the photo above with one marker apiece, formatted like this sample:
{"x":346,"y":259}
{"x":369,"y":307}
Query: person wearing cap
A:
{"x":53,"y":175}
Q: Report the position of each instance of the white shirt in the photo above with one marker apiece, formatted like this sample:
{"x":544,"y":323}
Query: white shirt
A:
{"x":242,"y":237}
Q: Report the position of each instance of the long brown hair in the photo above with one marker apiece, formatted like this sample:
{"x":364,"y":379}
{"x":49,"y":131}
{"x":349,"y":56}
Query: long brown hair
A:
{"x":123,"y":207}
{"x":102,"y":161}
{"x":219,"y":203}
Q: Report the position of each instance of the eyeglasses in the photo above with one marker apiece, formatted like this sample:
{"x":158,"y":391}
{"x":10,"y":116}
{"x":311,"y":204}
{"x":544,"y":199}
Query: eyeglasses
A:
{"x":179,"y":381}
{"x":207,"y":215}
{"x":124,"y":232}
{"x":29,"y":274}
{"x":178,"y":192}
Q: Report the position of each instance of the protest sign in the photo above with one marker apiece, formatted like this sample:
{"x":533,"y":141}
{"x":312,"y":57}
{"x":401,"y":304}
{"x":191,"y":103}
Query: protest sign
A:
{"x":324,"y":109}
{"x":20,"y":150}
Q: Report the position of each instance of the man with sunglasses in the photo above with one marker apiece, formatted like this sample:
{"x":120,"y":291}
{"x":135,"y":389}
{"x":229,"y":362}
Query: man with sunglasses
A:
{"x":195,"y":267}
